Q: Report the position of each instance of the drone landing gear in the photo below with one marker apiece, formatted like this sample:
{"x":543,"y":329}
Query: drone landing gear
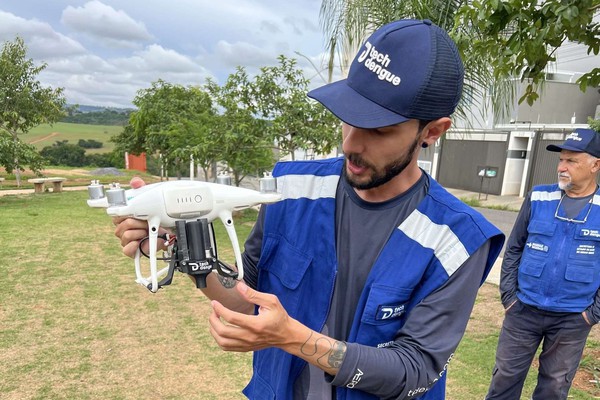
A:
{"x":194,"y":253}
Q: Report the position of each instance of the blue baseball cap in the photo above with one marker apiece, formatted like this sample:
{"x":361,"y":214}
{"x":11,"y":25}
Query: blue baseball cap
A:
{"x":407,"y":69}
{"x":580,"y":140}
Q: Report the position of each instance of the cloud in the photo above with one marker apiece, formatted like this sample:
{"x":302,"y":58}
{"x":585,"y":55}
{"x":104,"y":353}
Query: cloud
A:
{"x":89,"y":79}
{"x":112,"y":27}
{"x":243,"y":53}
{"x":102,"y":53}
{"x":42,"y":41}
{"x":156,"y":62}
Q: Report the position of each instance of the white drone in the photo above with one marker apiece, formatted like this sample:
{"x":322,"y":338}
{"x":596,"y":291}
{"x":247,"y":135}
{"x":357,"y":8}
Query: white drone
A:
{"x":188,"y":206}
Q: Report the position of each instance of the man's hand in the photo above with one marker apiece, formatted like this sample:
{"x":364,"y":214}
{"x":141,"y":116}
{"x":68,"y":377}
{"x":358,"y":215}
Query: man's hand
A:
{"x":585,"y":317}
{"x":234,"y":331}
{"x":273,"y":327}
{"x":510,"y":306}
{"x":131,"y":231}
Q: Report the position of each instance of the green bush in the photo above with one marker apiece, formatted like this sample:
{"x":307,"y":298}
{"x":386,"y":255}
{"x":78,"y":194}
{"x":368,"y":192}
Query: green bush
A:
{"x":89,"y":144}
{"x":63,"y":153}
{"x":70,"y":155}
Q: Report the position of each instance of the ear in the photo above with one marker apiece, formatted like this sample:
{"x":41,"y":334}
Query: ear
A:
{"x":434,"y":130}
{"x":596,"y":166}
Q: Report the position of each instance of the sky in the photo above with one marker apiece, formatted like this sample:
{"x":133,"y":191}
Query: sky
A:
{"x":102,"y":52}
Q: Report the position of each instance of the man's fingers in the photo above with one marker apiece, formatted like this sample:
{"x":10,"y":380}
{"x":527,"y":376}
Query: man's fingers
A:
{"x":128,"y":224}
{"x":256,"y":297}
{"x":232,"y":317}
{"x":233,"y":331}
{"x":130,"y":249}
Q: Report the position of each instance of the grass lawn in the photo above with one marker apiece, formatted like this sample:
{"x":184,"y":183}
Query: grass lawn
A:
{"x":46,"y":135}
{"x":75,"y":325}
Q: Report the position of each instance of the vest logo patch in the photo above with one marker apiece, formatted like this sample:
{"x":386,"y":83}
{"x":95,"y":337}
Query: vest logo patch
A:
{"x":385,"y":312}
{"x":590,"y":232}
{"x":537,"y":246}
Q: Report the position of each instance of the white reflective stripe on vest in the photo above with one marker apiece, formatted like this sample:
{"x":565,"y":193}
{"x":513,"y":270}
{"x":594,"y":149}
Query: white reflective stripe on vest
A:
{"x":307,"y":186}
{"x":445,"y":244}
{"x":545,"y":196}
{"x":596,"y":200}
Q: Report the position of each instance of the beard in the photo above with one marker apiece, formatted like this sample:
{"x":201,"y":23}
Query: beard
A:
{"x":564,"y":185}
{"x":382,"y":175}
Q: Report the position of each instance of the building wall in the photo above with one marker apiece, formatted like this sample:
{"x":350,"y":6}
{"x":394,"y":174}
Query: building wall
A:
{"x":559,"y":103}
{"x":462,"y":161}
{"x":516,"y":144}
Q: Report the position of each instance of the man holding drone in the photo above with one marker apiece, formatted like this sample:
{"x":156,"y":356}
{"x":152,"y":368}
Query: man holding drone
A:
{"x":359,"y":283}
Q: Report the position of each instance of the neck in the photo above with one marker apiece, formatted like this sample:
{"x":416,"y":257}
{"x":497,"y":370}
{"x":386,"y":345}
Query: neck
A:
{"x":582,"y":191}
{"x":395,"y":187}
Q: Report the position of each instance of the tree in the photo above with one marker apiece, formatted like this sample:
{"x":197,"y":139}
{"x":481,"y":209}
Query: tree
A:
{"x":11,"y":149}
{"x":520,"y":37}
{"x":162,"y":122}
{"x":498,"y":39}
{"x":295,"y":121}
{"x":348,"y":23}
{"x":24,"y":104}
{"x":63,"y":153}
{"x":240,"y":136}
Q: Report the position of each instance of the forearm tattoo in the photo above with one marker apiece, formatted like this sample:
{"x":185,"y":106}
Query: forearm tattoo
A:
{"x":330,"y":356}
{"x":227,"y":282}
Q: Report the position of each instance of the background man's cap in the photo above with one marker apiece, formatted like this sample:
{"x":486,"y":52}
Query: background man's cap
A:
{"x":581,"y":140}
{"x":407,"y":69}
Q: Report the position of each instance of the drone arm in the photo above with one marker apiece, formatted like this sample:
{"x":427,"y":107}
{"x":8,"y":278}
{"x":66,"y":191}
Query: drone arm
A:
{"x":153,"y":226}
{"x":227,"y":219}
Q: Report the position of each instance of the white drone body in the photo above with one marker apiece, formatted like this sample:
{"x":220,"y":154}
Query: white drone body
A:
{"x":164,"y":203}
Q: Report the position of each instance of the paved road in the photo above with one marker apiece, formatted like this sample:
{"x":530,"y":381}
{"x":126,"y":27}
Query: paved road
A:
{"x":504,"y":220}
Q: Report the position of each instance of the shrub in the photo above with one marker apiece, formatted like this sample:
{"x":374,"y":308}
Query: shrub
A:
{"x":63,"y":153}
{"x":89,"y":144}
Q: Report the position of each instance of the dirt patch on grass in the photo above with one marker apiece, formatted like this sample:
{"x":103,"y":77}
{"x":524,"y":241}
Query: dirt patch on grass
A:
{"x":50,"y":136}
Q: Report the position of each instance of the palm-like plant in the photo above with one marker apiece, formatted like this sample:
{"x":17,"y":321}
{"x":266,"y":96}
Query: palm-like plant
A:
{"x":347,"y":23}
{"x":500,"y":41}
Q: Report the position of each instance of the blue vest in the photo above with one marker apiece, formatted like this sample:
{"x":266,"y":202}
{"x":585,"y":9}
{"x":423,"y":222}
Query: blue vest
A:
{"x":298,"y":264}
{"x":560,"y":265}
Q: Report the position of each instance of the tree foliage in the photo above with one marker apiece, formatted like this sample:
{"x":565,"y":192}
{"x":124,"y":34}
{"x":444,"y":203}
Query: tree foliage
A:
{"x":237,"y":123}
{"x":24,"y":104}
{"x":11,"y":149}
{"x":104,"y":117}
{"x":522,"y":36}
{"x":498,"y":39}
{"x":63,"y":153}
{"x":70,"y":155}
{"x":241,"y":137}
{"x":594,"y":124}
{"x":295,"y":121}
{"x":164,"y":118}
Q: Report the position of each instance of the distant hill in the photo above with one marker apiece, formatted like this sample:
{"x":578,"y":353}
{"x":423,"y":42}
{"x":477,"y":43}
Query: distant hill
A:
{"x":93,"y":115}
{"x":87,"y":108}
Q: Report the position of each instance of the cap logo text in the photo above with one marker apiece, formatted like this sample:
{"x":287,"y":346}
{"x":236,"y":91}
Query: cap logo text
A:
{"x":574,"y":136}
{"x":377,"y":63}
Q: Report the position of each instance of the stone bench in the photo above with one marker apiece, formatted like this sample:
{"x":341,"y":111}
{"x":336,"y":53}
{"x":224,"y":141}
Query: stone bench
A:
{"x":39,"y":184}
{"x":1,"y":181}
